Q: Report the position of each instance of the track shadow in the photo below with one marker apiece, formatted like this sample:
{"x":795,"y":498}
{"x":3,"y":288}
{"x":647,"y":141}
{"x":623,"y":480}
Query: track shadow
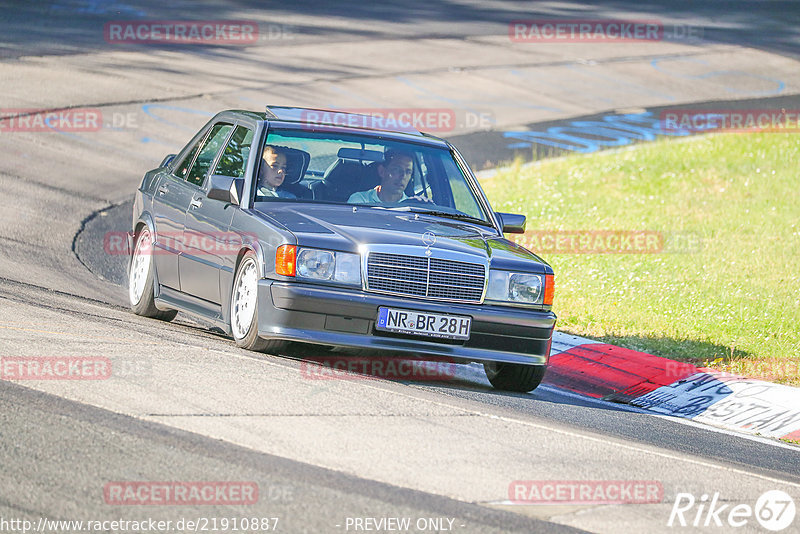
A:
{"x":703,"y":352}
{"x":70,"y":27}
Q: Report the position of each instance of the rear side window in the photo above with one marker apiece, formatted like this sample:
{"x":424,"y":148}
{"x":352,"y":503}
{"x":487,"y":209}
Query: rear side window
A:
{"x":197,"y":173}
{"x":233,"y":160}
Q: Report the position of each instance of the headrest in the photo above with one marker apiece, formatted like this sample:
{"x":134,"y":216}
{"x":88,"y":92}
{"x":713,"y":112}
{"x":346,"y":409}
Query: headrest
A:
{"x":344,"y":172}
{"x":360,"y":154}
{"x":371,"y":177}
{"x":296,"y":164}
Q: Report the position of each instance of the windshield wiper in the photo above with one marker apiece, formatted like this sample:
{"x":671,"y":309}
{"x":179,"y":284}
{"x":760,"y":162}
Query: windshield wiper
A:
{"x":450,"y":215}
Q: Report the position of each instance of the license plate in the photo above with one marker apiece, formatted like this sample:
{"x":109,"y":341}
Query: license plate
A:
{"x":423,"y":323}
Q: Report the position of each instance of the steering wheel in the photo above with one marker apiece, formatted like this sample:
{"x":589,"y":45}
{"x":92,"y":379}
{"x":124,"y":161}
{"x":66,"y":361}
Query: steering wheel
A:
{"x":416,"y":201}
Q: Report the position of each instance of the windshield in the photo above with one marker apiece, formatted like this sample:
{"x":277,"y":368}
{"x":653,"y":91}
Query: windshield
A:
{"x":309,"y":166}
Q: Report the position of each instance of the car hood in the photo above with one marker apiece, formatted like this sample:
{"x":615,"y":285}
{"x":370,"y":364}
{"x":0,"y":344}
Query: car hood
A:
{"x":338,"y":227}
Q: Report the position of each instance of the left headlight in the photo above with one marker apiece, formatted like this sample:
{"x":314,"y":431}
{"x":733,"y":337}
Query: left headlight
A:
{"x":341,"y":267}
{"x":519,"y":288}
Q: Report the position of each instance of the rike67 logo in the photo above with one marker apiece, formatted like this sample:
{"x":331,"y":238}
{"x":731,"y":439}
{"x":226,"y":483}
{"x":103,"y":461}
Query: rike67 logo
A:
{"x":774,"y":510}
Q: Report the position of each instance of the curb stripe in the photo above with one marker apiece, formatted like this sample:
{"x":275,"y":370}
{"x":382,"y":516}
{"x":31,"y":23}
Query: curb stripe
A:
{"x":665,"y":386}
{"x":615,"y":373}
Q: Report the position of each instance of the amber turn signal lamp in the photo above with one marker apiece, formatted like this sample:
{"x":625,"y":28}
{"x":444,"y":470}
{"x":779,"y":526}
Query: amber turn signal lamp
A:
{"x":285,"y":260}
{"x":549,"y":289}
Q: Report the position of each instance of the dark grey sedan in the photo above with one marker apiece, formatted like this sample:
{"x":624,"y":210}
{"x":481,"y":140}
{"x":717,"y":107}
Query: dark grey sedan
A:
{"x":298,"y":225}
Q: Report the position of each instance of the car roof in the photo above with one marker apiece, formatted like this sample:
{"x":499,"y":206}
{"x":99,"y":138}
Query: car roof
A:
{"x":343,"y":119}
{"x":330,"y":117}
{"x":335,"y":121}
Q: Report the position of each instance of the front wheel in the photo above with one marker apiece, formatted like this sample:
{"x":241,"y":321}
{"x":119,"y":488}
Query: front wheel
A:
{"x":514,"y":376}
{"x":141,"y":280}
{"x":244,"y":309}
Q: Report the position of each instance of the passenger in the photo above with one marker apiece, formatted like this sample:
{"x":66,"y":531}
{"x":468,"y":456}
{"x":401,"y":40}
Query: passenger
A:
{"x":395,"y":171}
{"x":272,"y":173}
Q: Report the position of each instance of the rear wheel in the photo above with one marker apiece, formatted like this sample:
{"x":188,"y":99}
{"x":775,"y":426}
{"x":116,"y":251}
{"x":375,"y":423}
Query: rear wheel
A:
{"x":141,"y":280}
{"x":244,"y":309}
{"x":514,"y":376}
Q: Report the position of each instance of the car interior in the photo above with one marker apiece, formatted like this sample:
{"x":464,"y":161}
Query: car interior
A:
{"x":345,"y":177}
{"x":352,"y":170}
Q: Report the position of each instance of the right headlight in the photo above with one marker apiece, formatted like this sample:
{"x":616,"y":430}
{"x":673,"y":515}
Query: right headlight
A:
{"x":317,"y":264}
{"x":520,"y":288}
{"x":313,"y":263}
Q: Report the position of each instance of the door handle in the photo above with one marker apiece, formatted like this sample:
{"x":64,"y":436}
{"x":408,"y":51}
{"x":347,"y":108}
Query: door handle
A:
{"x":195,"y":203}
{"x":163,"y":190}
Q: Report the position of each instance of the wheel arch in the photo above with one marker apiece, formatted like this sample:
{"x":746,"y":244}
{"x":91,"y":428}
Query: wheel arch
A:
{"x":253,"y":246}
{"x":145,"y":220}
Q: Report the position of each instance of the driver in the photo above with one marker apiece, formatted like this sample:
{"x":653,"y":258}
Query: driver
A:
{"x":395,"y":172}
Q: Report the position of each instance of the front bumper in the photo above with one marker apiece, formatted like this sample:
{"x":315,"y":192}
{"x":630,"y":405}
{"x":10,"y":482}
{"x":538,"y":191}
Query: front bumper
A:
{"x":346,"y":318}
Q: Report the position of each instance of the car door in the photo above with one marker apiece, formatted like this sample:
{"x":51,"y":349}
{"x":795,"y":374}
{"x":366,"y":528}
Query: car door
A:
{"x":206,"y":238}
{"x":170,"y":203}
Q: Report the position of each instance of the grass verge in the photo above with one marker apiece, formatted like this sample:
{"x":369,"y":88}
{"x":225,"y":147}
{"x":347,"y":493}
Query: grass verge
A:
{"x":720,"y":285}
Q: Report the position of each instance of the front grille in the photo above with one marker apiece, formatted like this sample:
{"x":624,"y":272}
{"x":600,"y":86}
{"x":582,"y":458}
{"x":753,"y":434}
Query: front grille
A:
{"x":425,"y":277}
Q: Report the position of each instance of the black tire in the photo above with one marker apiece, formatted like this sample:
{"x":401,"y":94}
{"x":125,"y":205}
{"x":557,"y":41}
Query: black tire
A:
{"x":514,"y":376}
{"x":145,"y":304}
{"x":246,"y":336}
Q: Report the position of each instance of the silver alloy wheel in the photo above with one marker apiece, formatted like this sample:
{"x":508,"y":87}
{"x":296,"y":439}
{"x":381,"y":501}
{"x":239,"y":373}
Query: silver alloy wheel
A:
{"x":140,"y":267}
{"x":244,"y":300}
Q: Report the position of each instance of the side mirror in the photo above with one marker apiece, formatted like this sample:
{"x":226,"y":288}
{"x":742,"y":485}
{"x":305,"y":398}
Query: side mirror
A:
{"x":167,"y":160}
{"x":513,"y":223}
{"x":226,"y":189}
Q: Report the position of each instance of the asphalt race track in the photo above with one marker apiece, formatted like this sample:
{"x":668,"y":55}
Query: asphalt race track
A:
{"x":188,"y":405}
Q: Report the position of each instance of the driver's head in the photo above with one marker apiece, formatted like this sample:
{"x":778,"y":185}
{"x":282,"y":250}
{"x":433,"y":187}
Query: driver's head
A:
{"x":273,"y":168}
{"x":395,"y":171}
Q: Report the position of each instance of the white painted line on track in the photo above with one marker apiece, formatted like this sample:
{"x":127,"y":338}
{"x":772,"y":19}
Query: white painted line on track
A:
{"x":680,"y":420}
{"x":548,"y":428}
{"x":479,"y":376}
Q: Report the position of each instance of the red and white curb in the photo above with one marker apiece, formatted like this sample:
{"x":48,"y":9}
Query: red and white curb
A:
{"x":664,"y":386}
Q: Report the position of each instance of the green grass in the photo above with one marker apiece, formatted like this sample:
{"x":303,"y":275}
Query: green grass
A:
{"x":733,"y":302}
